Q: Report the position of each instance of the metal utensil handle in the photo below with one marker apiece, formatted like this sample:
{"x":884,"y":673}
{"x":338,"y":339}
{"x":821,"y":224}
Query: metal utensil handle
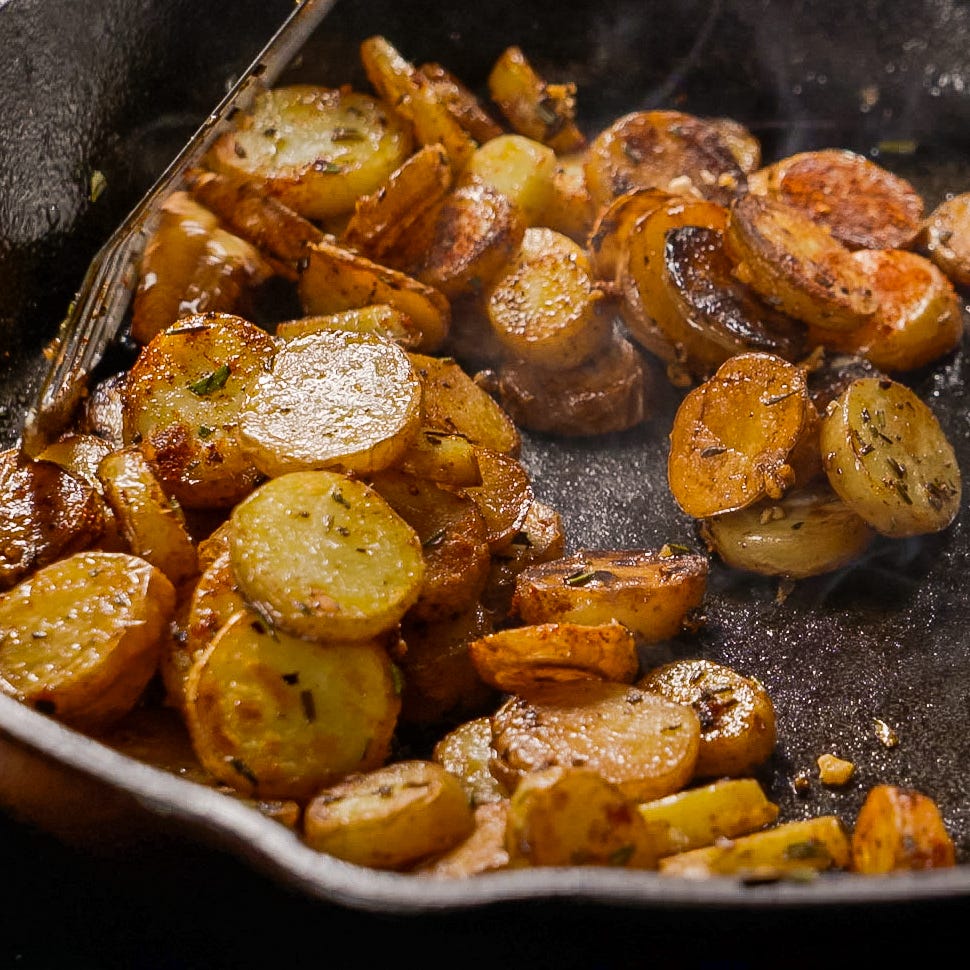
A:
{"x":95,"y":315}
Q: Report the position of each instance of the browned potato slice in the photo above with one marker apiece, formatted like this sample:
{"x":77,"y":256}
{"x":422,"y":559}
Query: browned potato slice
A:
{"x":466,"y":751}
{"x":861,"y":203}
{"x":532,"y":106}
{"x":101,"y":411}
{"x":737,"y":717}
{"x":651,"y":592}
{"x":945,"y":236}
{"x":461,"y":102}
{"x":46,"y":512}
{"x":441,"y":684}
{"x":417,"y":99}
{"x":544,"y":305}
{"x":570,"y":209}
{"x":378,"y":318}
{"x":705,"y":814}
{"x":181,"y":406}
{"x":260,"y":219}
{"x":483,"y":851}
{"x":668,"y":150}
{"x":334,"y":279}
{"x":390,"y":818}
{"x":734,"y":437}
{"x":889,"y":460}
{"x":807,"y":532}
{"x":715,"y":315}
{"x":80,"y":639}
{"x":315,"y":149}
{"x":898,"y":829}
{"x":797,"y":265}
{"x":277,"y":716}
{"x":792,"y":849}
{"x":520,"y":659}
{"x":454,"y":540}
{"x":332,"y":399}
{"x":651,"y":314}
{"x":325,"y":557}
{"x":572,"y":816}
{"x":918,"y":318}
{"x":743,"y":144}
{"x":636,"y":739}
{"x":606,"y":243}
{"x":152,"y":523}
{"x":609,"y":392}
{"x":454,"y":404}
{"x":168,"y":263}
{"x":381,"y":219}
{"x":450,"y":459}
{"x":504,"y":496}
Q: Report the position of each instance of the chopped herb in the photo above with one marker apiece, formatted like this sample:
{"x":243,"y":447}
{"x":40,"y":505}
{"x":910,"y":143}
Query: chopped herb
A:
{"x":211,"y":382}
{"x":621,"y":856}
{"x":309,"y":707}
{"x":346,"y":134}
{"x":898,"y":468}
{"x":327,"y":167}
{"x":580,"y":578}
{"x":777,"y":398}
{"x":711,"y":450}
{"x":291,"y":679}
{"x":241,"y":768}
{"x":435,"y":539}
{"x":810,"y":849}
{"x":205,"y":431}
{"x":338,"y":497}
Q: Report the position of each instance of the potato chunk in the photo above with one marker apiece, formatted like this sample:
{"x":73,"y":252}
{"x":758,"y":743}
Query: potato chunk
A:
{"x":465,"y":751}
{"x":82,"y":637}
{"x":945,"y":236}
{"x":325,"y":557}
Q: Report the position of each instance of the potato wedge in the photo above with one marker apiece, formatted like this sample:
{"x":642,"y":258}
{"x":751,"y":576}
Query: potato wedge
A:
{"x":572,"y":816}
{"x":390,"y":818}
{"x":653,"y":593}
{"x":331,"y":399}
{"x":738,"y":727}
{"x":461,"y":102}
{"x":325,"y":557}
{"x":466,"y":751}
{"x":945,"y":237}
{"x":898,"y":829}
{"x":889,"y":460}
{"x":80,"y":639}
{"x":316,"y":149}
{"x":636,"y":739}
{"x":276,"y":716}
{"x":482,"y":851}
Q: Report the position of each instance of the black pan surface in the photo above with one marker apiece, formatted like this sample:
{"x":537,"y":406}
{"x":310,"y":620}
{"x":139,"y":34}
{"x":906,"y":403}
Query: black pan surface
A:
{"x":117,"y":87}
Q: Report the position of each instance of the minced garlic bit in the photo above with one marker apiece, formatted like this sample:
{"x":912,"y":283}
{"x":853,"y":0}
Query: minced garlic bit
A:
{"x":833,"y":770}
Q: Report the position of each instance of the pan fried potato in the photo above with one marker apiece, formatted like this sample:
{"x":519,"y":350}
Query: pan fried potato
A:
{"x":46,"y":513}
{"x":889,"y":460}
{"x":636,"y":739}
{"x":323,"y":556}
{"x":899,"y":829}
{"x":706,"y":814}
{"x":461,"y":102}
{"x":544,"y":305}
{"x":736,"y":438}
{"x":331,"y":399}
{"x":791,"y":849}
{"x":378,"y":318}
{"x":737,"y":717}
{"x":276,"y":716}
{"x":466,"y":750}
{"x":181,"y":406}
{"x":945,"y":237}
{"x":520,"y":659}
{"x":669,"y":150}
{"x":449,"y":459}
{"x":333,"y":279}
{"x":607,"y":239}
{"x":797,"y":265}
{"x":653,"y":593}
{"x":504,"y":497}
{"x":100,"y":412}
{"x":807,"y":532}
{"x":863,"y":205}
{"x":572,"y":816}
{"x":743,"y":144}
{"x":570,"y":208}
{"x":80,"y":639}
{"x":315,"y":149}
{"x":390,"y":818}
{"x":482,"y":851}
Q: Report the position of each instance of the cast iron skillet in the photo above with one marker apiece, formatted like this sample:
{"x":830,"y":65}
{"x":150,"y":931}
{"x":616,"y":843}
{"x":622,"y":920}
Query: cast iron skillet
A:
{"x":118,"y":87}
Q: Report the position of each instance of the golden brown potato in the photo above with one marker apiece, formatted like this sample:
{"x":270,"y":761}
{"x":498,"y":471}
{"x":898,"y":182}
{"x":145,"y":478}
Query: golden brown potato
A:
{"x":636,"y":739}
{"x":738,"y":729}
{"x":504,"y":497}
{"x":900,"y":828}
{"x":449,"y":459}
{"x":101,"y":410}
{"x":461,"y":102}
{"x":607,"y":240}
{"x":742,"y":142}
{"x":466,"y":751}
{"x":378,"y":318}
{"x":945,"y":237}
{"x":81,"y":638}
{"x":482,"y":851}
{"x":570,"y":208}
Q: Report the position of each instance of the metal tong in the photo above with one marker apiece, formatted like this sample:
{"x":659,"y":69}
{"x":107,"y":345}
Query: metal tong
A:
{"x":95,"y":316}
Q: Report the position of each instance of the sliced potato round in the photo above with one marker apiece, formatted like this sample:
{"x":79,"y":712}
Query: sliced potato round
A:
{"x":504,"y":497}
{"x":276,"y":716}
{"x":461,"y":102}
{"x":181,"y":406}
{"x":325,"y":557}
{"x":734,"y":437}
{"x":483,"y":851}
{"x":315,"y":149}
{"x":737,"y":717}
{"x":390,"y":818}
{"x":215,"y":598}
{"x":450,"y":459}
{"x":466,"y":751}
{"x":378,"y":318}
{"x":606,"y":243}
{"x":636,"y":739}
{"x":742,"y":142}
{"x":945,"y":236}
{"x":807,"y":532}
{"x":81,"y":638}
{"x":889,"y":460}
{"x":860,"y":202}
{"x":332,"y":399}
